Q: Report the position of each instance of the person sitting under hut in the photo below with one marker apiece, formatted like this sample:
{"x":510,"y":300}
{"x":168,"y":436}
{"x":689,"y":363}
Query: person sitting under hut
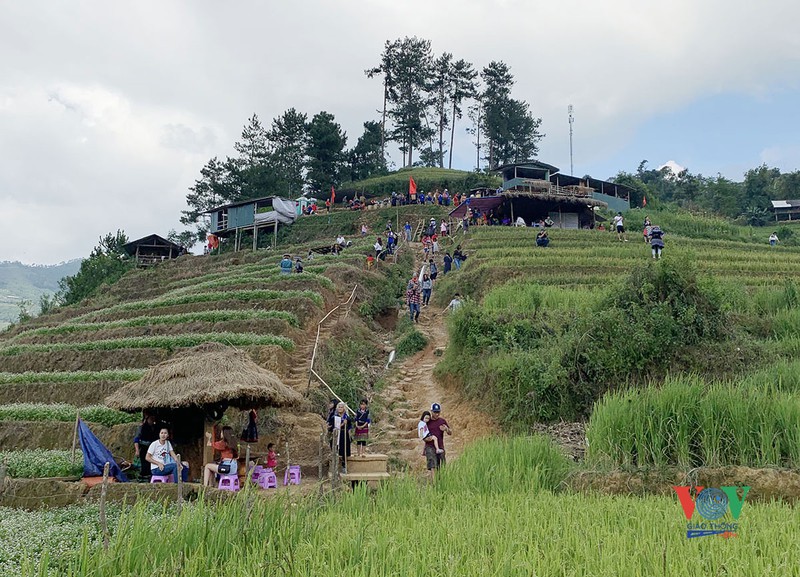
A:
{"x":227,"y":452}
{"x":162,"y":458}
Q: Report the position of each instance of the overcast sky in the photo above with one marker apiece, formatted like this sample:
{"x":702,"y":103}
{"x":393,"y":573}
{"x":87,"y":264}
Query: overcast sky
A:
{"x":109,"y":110}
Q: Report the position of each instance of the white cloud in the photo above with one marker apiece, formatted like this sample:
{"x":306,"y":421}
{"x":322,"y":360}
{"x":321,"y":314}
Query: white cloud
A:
{"x":107,"y":114}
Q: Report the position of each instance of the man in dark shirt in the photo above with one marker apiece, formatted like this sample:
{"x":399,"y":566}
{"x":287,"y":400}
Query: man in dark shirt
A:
{"x":438,"y":427}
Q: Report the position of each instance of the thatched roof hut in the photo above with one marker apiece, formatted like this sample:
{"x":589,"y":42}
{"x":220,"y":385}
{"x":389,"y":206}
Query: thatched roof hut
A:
{"x":211,"y":374}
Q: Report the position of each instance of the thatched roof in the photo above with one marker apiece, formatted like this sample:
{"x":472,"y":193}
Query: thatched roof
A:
{"x":208,"y":374}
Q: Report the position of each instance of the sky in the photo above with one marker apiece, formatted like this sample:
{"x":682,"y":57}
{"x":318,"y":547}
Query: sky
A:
{"x":108,"y":111}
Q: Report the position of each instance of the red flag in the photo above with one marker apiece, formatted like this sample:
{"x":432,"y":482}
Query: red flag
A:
{"x":644,"y":201}
{"x":412,"y":186}
{"x":333,"y":195}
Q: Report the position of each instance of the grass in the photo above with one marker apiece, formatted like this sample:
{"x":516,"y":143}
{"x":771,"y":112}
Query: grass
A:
{"x":499,"y":513}
{"x":162,"y":342}
{"x":692,"y":423}
{"x":240,"y":295}
{"x":65,"y":413}
{"x":177,"y":319}
{"x":123,"y":375}
{"x":41,"y":463}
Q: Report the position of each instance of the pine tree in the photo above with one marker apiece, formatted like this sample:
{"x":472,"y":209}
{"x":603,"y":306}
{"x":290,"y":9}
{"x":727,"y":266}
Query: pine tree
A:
{"x":326,"y":156}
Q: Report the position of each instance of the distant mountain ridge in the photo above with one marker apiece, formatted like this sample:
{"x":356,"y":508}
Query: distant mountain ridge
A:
{"x":28,"y":282}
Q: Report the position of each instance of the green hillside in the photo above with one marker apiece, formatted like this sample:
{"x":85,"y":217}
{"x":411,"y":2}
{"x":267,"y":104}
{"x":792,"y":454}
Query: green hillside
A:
{"x":22,"y":283}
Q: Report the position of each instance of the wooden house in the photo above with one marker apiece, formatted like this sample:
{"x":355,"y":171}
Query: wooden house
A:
{"x":153,"y":249}
{"x":786,"y":209}
{"x":535,"y":190}
{"x":232,"y":220}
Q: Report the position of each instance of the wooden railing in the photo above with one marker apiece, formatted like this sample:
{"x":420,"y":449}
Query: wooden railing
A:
{"x":311,"y":372}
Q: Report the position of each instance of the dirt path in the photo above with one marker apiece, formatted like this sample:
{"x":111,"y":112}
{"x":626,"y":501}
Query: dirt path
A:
{"x":411,"y":389}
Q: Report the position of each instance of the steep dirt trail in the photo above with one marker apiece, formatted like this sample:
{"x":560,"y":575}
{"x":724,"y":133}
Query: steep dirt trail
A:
{"x":411,"y":388}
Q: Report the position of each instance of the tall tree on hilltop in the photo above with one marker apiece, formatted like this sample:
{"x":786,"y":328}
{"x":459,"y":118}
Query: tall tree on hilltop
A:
{"x":462,"y":86}
{"x":289,"y":137}
{"x":326,"y":156}
{"x":107,"y":262}
{"x":512,"y":132}
{"x":366,"y":159}
{"x":440,"y":88}
{"x":253,"y":173}
{"x":385,"y":69}
{"x":213,"y":188}
{"x":409,"y":70}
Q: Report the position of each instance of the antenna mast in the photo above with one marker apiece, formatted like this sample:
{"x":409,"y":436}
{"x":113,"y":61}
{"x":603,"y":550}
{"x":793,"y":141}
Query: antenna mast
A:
{"x":571,"y":120}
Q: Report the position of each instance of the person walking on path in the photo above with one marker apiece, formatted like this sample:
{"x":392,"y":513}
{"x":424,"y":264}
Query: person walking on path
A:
{"x":620,"y":225}
{"x":438,"y":427}
{"x":427,"y":288}
{"x":656,"y":241}
{"x":433,"y":269}
{"x":413,"y":300}
{"x":448,"y":262}
{"x":455,"y":304}
{"x":407,"y":229}
{"x":458,"y":257}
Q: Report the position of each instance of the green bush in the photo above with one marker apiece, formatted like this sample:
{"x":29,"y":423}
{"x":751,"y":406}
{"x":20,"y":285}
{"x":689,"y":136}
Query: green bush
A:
{"x":41,"y":463}
{"x":410,"y":343}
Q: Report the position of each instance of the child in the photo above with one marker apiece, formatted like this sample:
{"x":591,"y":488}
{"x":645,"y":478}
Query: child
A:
{"x":272,"y":457}
{"x":425,"y":434}
{"x":370,"y":262}
{"x":362,"y":428}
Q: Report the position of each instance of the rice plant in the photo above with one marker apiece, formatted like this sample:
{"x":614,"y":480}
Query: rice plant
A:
{"x":65,"y":413}
{"x":161,"y":342}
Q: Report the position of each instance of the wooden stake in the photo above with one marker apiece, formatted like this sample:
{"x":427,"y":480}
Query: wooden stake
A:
{"x":321,"y":449}
{"x":75,"y":435}
{"x":248,"y":471}
{"x":2,"y":475}
{"x":103,"y":489}
{"x":179,"y":465}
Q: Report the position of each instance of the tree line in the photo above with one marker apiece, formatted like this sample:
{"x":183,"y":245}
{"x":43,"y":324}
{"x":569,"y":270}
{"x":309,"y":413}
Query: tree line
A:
{"x":747,"y":201}
{"x":423,"y":98}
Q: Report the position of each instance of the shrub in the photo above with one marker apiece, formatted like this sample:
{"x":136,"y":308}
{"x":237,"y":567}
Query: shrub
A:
{"x":410,"y":343}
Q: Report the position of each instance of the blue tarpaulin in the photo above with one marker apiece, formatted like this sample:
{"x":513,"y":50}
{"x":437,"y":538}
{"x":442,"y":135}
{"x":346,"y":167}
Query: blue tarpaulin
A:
{"x":95,"y":455}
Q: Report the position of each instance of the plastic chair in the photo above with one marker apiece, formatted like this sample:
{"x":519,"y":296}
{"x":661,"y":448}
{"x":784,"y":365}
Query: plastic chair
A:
{"x":268,"y":479}
{"x":255,"y":474}
{"x":228,"y":482}
{"x":161,"y":479}
{"x":292,"y":475}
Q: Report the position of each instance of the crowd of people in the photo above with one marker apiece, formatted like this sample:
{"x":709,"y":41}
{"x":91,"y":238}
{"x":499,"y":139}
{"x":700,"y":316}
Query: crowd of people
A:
{"x":344,"y":428}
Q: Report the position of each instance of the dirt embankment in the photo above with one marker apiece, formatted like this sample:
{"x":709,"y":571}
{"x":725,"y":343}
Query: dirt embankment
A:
{"x":18,"y":435}
{"x":765,"y":484}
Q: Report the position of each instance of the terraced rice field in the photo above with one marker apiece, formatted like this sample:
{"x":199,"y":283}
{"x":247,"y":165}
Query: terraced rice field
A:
{"x":583,"y":258}
{"x":76,"y":357}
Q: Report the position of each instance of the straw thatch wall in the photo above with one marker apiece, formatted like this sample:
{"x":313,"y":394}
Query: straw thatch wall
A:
{"x":208,"y":374}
